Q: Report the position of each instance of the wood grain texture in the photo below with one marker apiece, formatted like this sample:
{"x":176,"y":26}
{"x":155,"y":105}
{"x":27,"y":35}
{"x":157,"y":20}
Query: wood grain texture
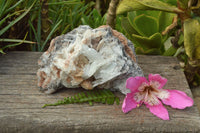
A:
{"x":21,"y":102}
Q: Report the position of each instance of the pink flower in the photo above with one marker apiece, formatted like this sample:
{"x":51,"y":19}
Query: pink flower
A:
{"x":150,"y":93}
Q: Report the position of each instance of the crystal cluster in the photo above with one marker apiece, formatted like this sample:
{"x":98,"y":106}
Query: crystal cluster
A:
{"x":88,"y":58}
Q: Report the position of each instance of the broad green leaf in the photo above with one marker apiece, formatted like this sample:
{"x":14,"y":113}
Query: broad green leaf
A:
{"x":128,"y":27}
{"x":130,"y":5}
{"x":153,"y":41}
{"x":131,"y":16}
{"x":134,"y":5}
{"x":171,"y":2}
{"x":165,"y":19}
{"x":192,"y":38}
{"x":146,"y":25}
{"x":154,"y":14}
{"x":153,"y":51}
{"x":170,"y":52}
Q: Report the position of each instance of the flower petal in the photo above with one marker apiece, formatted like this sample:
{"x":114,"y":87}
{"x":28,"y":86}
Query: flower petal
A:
{"x":178,"y":99}
{"x":159,"y":110}
{"x":162,"y":94}
{"x":157,"y":81}
{"x":133,"y":83}
{"x":129,"y":103}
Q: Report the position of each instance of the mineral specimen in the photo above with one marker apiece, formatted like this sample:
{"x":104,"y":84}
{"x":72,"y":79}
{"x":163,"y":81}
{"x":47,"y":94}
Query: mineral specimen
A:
{"x":88,"y":58}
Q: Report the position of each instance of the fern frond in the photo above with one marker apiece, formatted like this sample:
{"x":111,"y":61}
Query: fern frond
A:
{"x":98,"y":96}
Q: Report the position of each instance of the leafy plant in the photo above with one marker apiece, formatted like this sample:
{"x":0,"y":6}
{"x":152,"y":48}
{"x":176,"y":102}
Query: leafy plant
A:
{"x":42,"y":19}
{"x":16,"y":42}
{"x":100,"y":5}
{"x":7,"y":11}
{"x":99,"y":96}
{"x":188,"y":13}
{"x":94,"y":19}
{"x":145,"y":28}
{"x":58,"y":18}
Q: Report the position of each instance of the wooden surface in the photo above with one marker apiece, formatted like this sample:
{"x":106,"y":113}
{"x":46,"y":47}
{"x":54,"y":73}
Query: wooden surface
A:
{"x":21,"y":102}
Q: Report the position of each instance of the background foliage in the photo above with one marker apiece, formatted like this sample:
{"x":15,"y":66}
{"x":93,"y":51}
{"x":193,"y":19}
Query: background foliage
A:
{"x":187,"y":12}
{"x":41,"y":20}
{"x":156,"y":27}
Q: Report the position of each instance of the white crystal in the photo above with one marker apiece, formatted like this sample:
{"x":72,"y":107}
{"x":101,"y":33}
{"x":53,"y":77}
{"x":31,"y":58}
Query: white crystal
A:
{"x":88,"y":58}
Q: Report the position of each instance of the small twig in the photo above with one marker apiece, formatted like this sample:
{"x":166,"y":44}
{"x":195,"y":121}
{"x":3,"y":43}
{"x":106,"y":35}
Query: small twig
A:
{"x":98,"y":6}
{"x":170,"y":27}
{"x":111,"y":17}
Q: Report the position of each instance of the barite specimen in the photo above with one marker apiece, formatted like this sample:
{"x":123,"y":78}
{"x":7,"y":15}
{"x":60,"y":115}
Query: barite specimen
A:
{"x":88,"y":58}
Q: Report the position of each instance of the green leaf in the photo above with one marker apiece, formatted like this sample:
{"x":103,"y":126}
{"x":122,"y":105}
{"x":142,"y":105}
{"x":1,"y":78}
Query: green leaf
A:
{"x":71,"y":2}
{"x":48,"y":37}
{"x":181,"y":39}
{"x":96,"y":14}
{"x":85,"y":20}
{"x":146,"y":25}
{"x":126,"y":25}
{"x":117,"y":100}
{"x":165,"y":19}
{"x":153,"y":51}
{"x":39,"y":26}
{"x":35,"y":34}
{"x":14,"y":6}
{"x":192,"y":38}
{"x":65,"y":29}
{"x":15,"y":40}
{"x":99,"y":96}
{"x":170,"y":52}
{"x":1,"y":51}
{"x":131,"y":16}
{"x":182,"y":56}
{"x":16,"y":20}
{"x":2,"y":4}
{"x":134,"y":5}
{"x":154,"y":14}
{"x":9,"y":15}
{"x":171,"y":2}
{"x":153,"y":41}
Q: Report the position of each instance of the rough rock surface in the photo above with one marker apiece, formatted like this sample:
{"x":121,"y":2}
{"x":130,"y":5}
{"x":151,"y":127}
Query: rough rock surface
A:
{"x":88,"y":58}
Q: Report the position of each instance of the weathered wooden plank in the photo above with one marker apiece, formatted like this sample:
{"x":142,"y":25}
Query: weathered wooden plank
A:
{"x":21,"y":102}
